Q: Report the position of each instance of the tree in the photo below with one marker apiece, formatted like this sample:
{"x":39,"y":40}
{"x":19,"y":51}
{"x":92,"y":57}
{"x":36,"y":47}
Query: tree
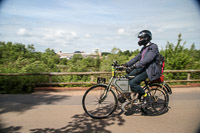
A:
{"x":115,"y":50}
{"x":50,"y":58}
{"x":177,"y":57}
{"x":116,"y":55}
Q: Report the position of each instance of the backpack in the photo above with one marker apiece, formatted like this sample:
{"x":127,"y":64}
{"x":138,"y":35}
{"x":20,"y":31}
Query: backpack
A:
{"x":161,"y":62}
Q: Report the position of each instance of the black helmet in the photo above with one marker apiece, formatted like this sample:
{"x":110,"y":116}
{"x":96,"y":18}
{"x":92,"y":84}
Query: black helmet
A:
{"x":145,"y":37}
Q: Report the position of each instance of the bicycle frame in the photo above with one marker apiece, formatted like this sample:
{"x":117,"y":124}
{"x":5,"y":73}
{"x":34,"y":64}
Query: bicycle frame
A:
{"x":113,"y":81}
{"x":110,"y":84}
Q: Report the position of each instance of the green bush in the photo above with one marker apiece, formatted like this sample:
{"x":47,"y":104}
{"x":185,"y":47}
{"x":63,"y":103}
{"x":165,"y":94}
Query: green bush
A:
{"x":19,"y":58}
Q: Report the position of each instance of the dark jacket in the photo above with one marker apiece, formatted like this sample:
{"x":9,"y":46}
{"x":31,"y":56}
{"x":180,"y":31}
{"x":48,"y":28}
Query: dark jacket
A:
{"x":148,"y":62}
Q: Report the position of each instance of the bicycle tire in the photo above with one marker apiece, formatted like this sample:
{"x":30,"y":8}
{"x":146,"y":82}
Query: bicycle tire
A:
{"x":156,"y":102}
{"x":99,"y":109}
{"x":158,"y":86}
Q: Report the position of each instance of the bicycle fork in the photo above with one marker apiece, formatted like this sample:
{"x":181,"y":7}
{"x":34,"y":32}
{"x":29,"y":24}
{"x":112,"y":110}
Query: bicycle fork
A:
{"x":105,"y":93}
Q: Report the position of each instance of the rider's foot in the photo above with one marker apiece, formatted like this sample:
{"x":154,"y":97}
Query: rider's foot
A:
{"x":142,"y":98}
{"x":140,"y":95}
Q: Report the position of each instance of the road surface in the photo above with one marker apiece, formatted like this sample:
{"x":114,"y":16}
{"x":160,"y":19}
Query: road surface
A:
{"x":61,"y":112}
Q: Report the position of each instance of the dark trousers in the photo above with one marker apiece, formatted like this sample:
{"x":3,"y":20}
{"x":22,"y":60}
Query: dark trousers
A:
{"x":140,"y":75}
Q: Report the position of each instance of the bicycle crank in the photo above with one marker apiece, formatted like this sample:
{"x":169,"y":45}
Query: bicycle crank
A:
{"x":126,"y":106}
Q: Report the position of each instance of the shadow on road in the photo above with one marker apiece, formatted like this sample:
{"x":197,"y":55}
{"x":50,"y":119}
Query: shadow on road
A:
{"x":9,"y":129}
{"x":22,"y":102}
{"x":82,"y":123}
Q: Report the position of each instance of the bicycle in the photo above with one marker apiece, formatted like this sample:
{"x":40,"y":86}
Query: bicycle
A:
{"x":101,"y":100}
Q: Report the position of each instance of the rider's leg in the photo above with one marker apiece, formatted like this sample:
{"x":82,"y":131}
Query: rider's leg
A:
{"x":133,"y":73}
{"x":136,"y":72}
{"x":135,"y":83}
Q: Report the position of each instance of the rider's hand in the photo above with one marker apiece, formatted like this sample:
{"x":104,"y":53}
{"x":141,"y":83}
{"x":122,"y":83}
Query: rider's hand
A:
{"x":124,"y":65}
{"x":120,"y":68}
{"x":130,"y":69}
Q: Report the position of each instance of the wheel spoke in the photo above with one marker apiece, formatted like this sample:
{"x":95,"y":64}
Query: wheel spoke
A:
{"x":98,"y":105}
{"x":157,"y":101}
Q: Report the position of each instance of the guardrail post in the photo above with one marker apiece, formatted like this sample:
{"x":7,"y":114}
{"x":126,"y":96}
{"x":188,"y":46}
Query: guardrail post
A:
{"x":188,"y":75}
{"x":50,"y":78}
{"x":92,"y":78}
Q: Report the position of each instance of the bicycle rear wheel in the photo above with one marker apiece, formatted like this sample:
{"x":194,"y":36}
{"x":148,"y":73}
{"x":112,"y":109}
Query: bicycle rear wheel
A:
{"x":158,"y":86}
{"x":99,"y":103}
{"x":156,"y":102}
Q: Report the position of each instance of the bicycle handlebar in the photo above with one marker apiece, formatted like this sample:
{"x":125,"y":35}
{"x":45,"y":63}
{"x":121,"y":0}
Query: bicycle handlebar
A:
{"x":117,"y":66}
{"x":120,"y":68}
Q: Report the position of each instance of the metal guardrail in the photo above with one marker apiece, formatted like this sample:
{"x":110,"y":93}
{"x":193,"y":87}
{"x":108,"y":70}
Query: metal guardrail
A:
{"x":50,"y":74}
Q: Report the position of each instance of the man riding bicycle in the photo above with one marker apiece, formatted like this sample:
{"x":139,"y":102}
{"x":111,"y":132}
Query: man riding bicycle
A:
{"x":143,"y":66}
{"x":146,"y":64}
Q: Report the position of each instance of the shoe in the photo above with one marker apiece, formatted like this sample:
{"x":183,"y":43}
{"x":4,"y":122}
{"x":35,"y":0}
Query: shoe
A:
{"x":143,"y":98}
{"x":140,"y":95}
{"x":145,"y":95}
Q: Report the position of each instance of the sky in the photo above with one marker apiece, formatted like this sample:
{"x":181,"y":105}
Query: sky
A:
{"x":87,"y":25}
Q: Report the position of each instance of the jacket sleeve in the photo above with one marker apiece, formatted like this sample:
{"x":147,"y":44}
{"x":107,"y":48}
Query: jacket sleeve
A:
{"x":134,"y":60}
{"x":149,"y":56}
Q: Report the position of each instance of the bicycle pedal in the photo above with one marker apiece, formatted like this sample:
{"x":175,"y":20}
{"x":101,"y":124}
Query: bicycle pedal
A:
{"x":138,"y":101}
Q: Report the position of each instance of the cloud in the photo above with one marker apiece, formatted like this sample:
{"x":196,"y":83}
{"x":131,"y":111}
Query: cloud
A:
{"x":121,"y":31}
{"x":87,"y":35}
{"x":87,"y":24}
{"x":125,"y":31}
{"x":23,"y":32}
{"x":61,"y":35}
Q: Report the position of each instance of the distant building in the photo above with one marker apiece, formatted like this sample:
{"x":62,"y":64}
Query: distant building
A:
{"x":69,"y":55}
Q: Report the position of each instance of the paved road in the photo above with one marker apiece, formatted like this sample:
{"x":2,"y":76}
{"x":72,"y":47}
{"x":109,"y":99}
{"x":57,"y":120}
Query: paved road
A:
{"x":62,"y":112}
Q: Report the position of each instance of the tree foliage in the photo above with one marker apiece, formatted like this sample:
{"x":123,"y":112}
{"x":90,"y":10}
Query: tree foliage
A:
{"x":20,"y":58}
{"x":177,"y":57}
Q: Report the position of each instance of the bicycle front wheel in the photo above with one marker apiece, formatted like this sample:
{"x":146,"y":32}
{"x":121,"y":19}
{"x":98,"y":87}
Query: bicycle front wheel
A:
{"x":98,"y":102}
